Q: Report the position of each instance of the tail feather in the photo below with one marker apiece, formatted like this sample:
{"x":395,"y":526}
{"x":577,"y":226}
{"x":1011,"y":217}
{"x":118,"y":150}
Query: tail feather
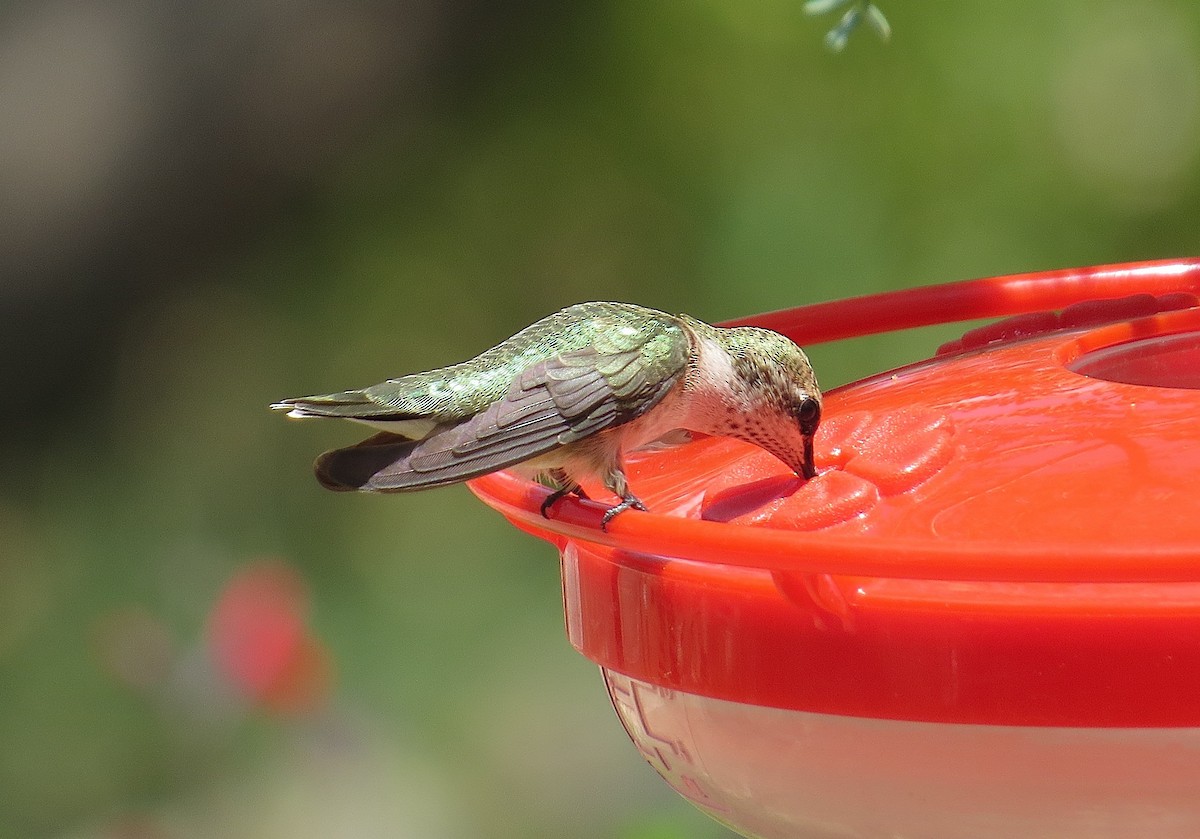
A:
{"x":348,"y":404}
{"x":389,"y":462}
{"x":354,"y":467}
{"x":383,"y":463}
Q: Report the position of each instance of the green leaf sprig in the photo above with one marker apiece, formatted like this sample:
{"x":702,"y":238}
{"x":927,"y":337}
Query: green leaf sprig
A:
{"x":859,"y":11}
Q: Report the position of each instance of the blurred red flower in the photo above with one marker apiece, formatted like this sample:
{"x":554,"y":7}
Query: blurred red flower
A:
{"x":259,"y":639}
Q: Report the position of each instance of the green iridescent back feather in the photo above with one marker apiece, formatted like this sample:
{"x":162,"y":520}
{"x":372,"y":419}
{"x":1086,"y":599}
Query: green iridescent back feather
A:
{"x":447,"y":394}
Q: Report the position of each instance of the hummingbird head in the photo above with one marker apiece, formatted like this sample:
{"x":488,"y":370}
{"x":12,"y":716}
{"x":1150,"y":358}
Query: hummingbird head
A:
{"x":770,"y":397}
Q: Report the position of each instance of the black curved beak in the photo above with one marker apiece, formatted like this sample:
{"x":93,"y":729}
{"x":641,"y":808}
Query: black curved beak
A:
{"x":809,"y":468}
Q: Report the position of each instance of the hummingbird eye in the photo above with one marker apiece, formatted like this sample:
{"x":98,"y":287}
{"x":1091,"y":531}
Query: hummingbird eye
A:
{"x":809,"y":415}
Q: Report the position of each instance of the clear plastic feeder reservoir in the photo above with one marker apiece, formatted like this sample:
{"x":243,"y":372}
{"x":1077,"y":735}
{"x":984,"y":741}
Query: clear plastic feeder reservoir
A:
{"x":981,"y":619}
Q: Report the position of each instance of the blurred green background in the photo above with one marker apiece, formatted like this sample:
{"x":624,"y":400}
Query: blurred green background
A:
{"x":205,"y":207}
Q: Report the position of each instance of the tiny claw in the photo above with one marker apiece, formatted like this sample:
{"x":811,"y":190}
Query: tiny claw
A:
{"x":551,"y":500}
{"x":629,"y":502}
{"x":554,"y":497}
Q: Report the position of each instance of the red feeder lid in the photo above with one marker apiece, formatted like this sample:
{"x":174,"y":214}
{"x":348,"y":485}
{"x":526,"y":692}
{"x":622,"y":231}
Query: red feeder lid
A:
{"x":1007,"y":533}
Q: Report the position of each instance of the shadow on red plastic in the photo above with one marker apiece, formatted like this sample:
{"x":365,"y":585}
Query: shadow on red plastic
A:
{"x":1162,"y":361}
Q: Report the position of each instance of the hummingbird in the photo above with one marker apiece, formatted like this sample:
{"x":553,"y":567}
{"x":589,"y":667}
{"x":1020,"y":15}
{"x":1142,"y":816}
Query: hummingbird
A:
{"x":566,"y":398}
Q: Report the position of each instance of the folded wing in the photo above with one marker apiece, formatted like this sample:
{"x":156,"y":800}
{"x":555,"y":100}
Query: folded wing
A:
{"x":554,"y":402}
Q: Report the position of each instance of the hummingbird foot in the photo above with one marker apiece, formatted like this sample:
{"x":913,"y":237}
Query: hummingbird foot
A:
{"x":629,"y":502}
{"x":554,"y":497}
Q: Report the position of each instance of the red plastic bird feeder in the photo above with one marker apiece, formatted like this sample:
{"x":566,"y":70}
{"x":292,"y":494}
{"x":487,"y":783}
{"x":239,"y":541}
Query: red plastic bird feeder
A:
{"x":981,"y":619}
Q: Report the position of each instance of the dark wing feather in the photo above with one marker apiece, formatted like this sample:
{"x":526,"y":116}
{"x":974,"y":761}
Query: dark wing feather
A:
{"x":552,"y":403}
